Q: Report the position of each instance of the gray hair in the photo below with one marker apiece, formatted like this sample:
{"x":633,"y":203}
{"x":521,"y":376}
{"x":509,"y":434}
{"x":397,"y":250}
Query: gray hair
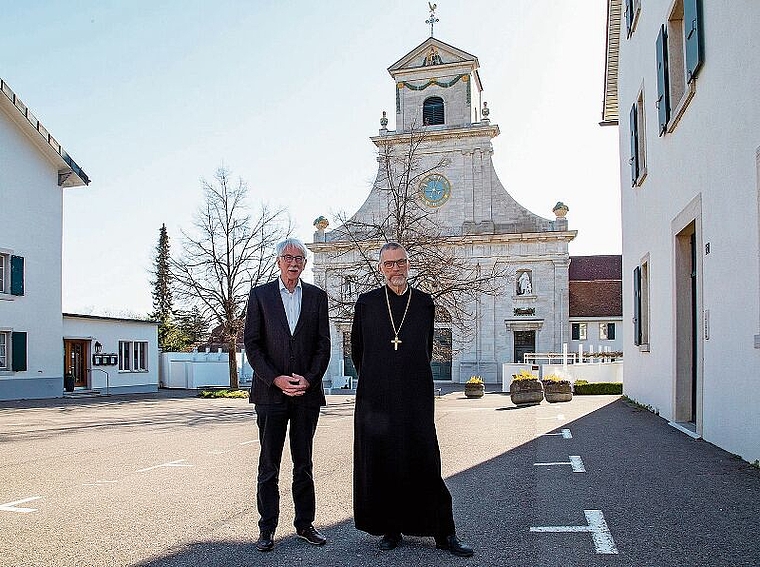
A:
{"x":295,"y":243}
{"x":390,"y":246}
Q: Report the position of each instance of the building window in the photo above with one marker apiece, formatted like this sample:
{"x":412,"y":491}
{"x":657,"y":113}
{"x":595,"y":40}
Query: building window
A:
{"x":432,"y":111}
{"x":680,"y":54}
{"x":632,"y":9}
{"x":606,"y":331}
{"x":133,"y":356}
{"x":641,"y":306}
{"x":638,"y":158}
{"x":3,"y":350}
{"x":578,"y":332}
{"x":11,"y":274}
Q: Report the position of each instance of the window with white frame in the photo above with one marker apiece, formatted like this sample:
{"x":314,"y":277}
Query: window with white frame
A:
{"x":606,"y":331}
{"x":4,"y":361}
{"x":11,"y":274}
{"x":133,"y":356}
{"x":632,"y":10}
{"x":641,"y":305}
{"x":680,"y":54}
{"x":3,"y":272}
{"x":578,"y":331}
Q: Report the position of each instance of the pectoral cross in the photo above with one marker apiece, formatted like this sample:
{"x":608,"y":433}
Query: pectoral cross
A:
{"x":395,"y":343}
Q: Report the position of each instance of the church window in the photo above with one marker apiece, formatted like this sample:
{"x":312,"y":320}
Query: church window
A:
{"x":432,"y":111}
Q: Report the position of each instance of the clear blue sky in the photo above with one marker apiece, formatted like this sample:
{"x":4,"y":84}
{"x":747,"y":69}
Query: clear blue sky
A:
{"x":148,"y":97}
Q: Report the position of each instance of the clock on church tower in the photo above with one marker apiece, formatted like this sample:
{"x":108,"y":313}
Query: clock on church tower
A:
{"x":435,"y":190}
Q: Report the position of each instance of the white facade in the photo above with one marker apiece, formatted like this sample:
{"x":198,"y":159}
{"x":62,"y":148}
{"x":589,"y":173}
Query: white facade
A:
{"x":33,"y":173}
{"x":131,"y":348}
{"x":690,"y":185}
{"x":482,"y":222}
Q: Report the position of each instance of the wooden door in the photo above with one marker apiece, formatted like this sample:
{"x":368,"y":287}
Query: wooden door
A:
{"x":75,"y":361}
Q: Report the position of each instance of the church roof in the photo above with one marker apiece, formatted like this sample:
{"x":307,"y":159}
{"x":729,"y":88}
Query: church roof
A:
{"x":596,"y":286}
{"x":610,"y":112}
{"x":449,"y":55}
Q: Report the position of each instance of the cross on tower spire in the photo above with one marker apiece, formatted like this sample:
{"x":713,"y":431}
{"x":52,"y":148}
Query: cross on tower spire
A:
{"x":432,"y":20}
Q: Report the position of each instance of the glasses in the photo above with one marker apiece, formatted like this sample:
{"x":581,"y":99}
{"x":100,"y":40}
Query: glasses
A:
{"x":297,"y":259}
{"x":388,"y":264}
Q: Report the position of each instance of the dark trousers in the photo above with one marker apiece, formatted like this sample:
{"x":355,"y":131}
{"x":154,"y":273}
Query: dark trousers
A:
{"x":272,"y":420}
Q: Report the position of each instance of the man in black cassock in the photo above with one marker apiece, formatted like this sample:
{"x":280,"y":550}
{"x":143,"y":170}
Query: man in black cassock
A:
{"x":398,"y":488}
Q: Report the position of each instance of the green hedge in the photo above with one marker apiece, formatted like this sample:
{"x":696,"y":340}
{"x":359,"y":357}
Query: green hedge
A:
{"x":224,"y":393}
{"x":581,"y":387}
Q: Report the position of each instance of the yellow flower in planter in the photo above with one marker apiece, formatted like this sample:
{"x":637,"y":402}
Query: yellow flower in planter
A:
{"x":524,"y":375}
{"x":475,"y":380}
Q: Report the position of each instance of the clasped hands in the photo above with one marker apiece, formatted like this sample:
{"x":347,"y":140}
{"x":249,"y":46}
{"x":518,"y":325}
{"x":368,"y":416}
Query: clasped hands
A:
{"x":294,"y":385}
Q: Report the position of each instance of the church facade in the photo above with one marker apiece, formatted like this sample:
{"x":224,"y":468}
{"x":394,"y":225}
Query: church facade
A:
{"x":438,"y":96}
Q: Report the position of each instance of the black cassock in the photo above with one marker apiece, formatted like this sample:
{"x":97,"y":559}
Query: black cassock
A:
{"x":397,"y":463}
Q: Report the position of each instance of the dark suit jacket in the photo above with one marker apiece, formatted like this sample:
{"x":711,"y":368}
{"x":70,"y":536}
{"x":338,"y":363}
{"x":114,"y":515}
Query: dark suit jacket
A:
{"x":272,"y":350}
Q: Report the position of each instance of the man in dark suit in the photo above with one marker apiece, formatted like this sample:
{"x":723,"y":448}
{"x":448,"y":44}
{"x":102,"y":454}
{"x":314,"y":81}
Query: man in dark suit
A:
{"x":287,"y":342}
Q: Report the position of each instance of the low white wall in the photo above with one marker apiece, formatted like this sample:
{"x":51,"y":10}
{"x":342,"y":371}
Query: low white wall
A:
{"x":192,"y":370}
{"x":591,"y":372}
{"x":509,"y":368}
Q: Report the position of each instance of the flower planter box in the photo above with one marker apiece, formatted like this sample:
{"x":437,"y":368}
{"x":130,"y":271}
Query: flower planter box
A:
{"x":474,"y":390}
{"x":526,"y":392}
{"x":558,"y":391}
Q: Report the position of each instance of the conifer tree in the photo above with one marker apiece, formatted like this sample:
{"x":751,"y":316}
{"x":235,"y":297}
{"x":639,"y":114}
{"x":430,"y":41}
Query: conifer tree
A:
{"x":162,"y":293}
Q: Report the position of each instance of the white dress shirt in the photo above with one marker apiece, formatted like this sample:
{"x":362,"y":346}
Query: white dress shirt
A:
{"x":292,"y":303}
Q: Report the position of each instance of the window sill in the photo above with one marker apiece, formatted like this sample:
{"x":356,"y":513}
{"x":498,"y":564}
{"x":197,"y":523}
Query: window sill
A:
{"x":7,"y":297}
{"x":133,"y":371}
{"x":680,"y":108}
{"x":524,"y":296}
{"x":644,"y":347}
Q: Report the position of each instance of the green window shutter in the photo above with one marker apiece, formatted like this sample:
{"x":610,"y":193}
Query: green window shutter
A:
{"x":634,"y":161}
{"x":575,"y":332}
{"x":18,"y":351}
{"x":628,"y":17}
{"x":663,"y":93}
{"x":692,"y":24}
{"x":637,"y":305}
{"x":17,"y":275}
{"x":611,"y":331}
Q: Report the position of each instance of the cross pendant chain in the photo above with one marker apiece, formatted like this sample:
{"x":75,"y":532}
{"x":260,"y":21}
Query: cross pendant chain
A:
{"x":395,"y":342}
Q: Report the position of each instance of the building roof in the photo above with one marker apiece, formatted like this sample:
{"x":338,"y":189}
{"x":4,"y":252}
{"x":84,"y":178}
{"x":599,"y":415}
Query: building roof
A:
{"x":69,"y":173}
{"x":610,"y":112}
{"x":602,"y":298}
{"x":593,"y":268}
{"x":596,"y":287}
{"x":105,"y":318}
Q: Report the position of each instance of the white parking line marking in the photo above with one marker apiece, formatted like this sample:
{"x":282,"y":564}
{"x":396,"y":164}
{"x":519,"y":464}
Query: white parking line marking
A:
{"x":565,"y":433}
{"x":219,"y":452}
{"x":99,"y":482}
{"x":597,"y":527}
{"x":177,"y":463}
{"x":559,"y":417}
{"x":249,"y":442}
{"x":11,"y":506}
{"x":575,"y":462}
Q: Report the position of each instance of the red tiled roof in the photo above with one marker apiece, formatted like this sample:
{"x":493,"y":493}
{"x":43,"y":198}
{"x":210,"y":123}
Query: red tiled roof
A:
{"x":591,"y":268}
{"x":596,"y":298}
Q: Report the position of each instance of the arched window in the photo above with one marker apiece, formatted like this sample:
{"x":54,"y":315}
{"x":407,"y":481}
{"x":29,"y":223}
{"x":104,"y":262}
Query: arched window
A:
{"x":432,"y":111}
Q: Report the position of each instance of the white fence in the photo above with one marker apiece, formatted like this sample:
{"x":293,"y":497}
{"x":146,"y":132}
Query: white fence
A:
{"x":193,"y":370}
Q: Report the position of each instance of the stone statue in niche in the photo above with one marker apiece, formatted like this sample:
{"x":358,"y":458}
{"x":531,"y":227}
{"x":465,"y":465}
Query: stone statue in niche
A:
{"x":432,"y":58}
{"x":524,"y":285}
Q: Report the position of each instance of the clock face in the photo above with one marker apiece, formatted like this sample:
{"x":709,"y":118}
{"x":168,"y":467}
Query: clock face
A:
{"x":435,"y":190}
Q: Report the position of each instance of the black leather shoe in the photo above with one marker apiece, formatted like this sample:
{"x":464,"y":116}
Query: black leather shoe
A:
{"x":390,"y":541}
{"x":265,"y":541}
{"x":454,"y":546}
{"x":311,"y":535}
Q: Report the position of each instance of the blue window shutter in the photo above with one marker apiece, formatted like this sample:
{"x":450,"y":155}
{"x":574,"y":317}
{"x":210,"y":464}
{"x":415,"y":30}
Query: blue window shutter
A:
{"x":663,"y":87}
{"x":17,"y":275}
{"x":628,"y":17}
{"x":692,"y":30}
{"x":611,"y":331}
{"x":575,"y":332}
{"x":637,"y":305}
{"x":634,"y":161}
{"x":18,"y":351}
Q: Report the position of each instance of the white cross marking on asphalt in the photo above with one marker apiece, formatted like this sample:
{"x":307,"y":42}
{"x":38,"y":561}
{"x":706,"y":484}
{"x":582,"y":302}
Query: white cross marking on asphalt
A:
{"x":565,"y":434}
{"x":11,"y":506}
{"x":575,"y":462}
{"x":177,"y":463}
{"x":597,"y":527}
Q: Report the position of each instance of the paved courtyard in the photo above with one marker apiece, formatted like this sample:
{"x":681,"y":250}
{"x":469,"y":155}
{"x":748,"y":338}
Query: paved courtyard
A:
{"x":168,"y":480}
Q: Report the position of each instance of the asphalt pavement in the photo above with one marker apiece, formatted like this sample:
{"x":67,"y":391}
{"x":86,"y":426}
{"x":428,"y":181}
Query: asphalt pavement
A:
{"x":169,"y":480}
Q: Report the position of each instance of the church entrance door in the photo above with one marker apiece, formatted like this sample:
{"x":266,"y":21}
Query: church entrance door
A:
{"x":525,"y":341}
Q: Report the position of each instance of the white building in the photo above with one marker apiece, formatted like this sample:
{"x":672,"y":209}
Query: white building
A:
{"x":439,"y":86}
{"x":684,"y":77}
{"x":34,"y":171}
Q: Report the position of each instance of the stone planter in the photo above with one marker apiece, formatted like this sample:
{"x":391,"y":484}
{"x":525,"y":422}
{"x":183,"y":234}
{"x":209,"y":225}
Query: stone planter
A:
{"x":474,"y":390}
{"x":526,"y":392}
{"x":558,"y":391}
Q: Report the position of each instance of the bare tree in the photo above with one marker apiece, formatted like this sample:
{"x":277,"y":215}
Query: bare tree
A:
{"x":439,"y":265}
{"x":229,"y":252}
